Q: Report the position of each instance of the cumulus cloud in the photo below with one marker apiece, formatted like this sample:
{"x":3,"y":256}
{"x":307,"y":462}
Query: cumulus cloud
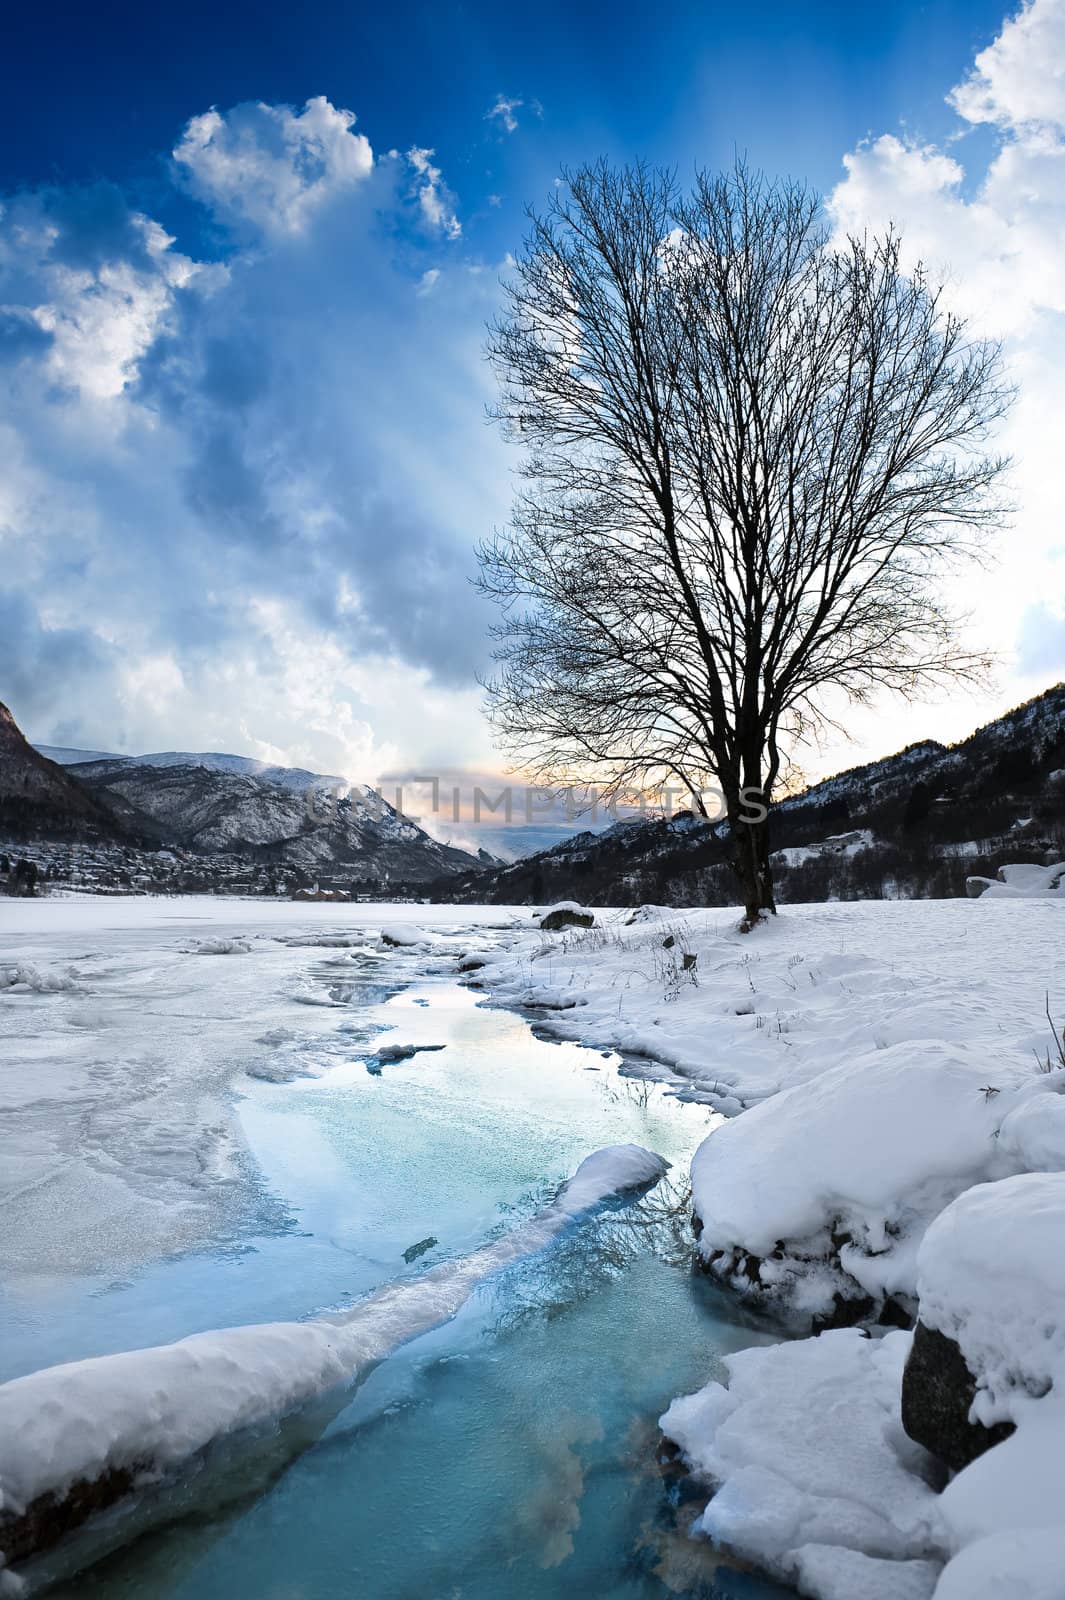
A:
{"x":271,"y":168}
{"x":238,"y":497}
{"x":98,"y":282}
{"x":1018,"y":82}
{"x":993,"y":230}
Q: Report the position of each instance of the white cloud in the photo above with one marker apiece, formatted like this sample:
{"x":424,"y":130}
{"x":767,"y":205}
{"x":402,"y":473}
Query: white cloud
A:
{"x":238,"y":498}
{"x":99,"y":305}
{"x":1019,"y":80}
{"x":270,"y":167}
{"x":434,"y":198}
{"x":996,"y":237}
{"x":503,"y":113}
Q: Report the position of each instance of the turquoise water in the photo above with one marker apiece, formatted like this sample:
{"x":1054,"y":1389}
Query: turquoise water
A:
{"x":511,"y":1452}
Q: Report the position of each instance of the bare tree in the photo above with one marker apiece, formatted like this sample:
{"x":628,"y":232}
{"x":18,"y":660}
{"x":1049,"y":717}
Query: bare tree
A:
{"x":751,"y":454}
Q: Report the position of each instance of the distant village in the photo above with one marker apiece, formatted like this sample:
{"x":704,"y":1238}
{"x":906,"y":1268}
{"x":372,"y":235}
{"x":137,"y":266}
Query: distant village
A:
{"x":29,"y":867}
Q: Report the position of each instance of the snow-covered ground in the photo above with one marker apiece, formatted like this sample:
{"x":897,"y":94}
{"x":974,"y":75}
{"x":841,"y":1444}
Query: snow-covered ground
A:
{"x":124,"y":1022}
{"x":202,"y":1153}
{"x":895,"y":1142}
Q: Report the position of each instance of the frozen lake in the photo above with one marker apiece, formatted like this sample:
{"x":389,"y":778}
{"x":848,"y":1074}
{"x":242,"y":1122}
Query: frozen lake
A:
{"x":199,"y":1133}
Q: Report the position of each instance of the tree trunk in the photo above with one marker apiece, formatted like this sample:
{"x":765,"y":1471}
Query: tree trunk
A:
{"x":751,"y":864}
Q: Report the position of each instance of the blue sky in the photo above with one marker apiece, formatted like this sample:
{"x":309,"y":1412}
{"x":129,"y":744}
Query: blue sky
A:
{"x":246,"y":258}
{"x":792,"y":82}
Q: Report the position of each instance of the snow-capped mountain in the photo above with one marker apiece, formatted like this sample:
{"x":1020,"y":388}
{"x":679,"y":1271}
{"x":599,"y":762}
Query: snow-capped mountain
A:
{"x":215,"y":803}
{"x":284,"y":815}
{"x":296,"y":778}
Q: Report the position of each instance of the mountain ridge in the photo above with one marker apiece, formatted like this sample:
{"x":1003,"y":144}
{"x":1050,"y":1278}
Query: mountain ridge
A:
{"x":914,"y":823}
{"x":298,"y":824}
{"x":38,"y":793}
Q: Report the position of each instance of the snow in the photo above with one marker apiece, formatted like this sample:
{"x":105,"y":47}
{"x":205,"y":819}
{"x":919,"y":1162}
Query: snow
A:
{"x":404,"y":934}
{"x":1016,"y":1486}
{"x":817,"y":987}
{"x":874,"y":1149}
{"x":150,"y":1410}
{"x":221,"y":947}
{"x":616,"y":1169}
{"x":991,"y":1275}
{"x":1032,"y":1134}
{"x":835,"y":1573}
{"x":1022,"y":880}
{"x":815,"y":1480}
{"x":807,"y":1447}
{"x":23,"y":975}
{"x":836,"y":844}
{"x":121,"y":1048}
{"x":884,"y":1129}
{"x":1011,"y":1566}
{"x":296,"y":778}
{"x":883,"y":1056}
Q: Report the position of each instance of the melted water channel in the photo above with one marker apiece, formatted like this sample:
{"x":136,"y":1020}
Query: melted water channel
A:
{"x":510,"y":1452}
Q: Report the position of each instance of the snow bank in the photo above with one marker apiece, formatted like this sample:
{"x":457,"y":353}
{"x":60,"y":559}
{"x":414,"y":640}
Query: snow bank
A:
{"x":566,"y":914}
{"x":404,"y":934}
{"x":221,"y":947}
{"x":812,"y":1476}
{"x":830,"y":1185}
{"x":26,"y":976}
{"x":883,"y":1057}
{"x":147,"y":1411}
{"x":895,"y":1137}
{"x":1023,"y":880}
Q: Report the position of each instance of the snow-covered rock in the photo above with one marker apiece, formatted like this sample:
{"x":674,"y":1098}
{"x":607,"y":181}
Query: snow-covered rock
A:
{"x":567,"y":914}
{"x":826,"y":1189}
{"x":404,"y":935}
{"x":991,"y":1275}
{"x":1022,"y":880}
{"x":614,"y":1170}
